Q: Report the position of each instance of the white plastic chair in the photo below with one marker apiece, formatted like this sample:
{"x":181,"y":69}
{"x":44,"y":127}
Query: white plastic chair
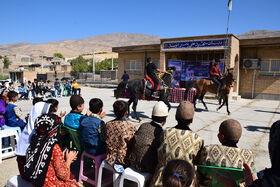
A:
{"x":132,"y":175}
{"x":105,"y":165}
{"x":18,"y":181}
{"x":3,"y":134}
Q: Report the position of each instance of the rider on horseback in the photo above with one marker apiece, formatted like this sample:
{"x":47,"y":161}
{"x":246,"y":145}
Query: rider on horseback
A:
{"x":215,"y":75}
{"x":150,"y":69}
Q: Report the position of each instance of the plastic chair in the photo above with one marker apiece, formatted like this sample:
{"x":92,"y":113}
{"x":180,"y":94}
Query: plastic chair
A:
{"x":8,"y":151}
{"x":15,"y":128}
{"x":132,"y":175}
{"x":97,"y":162}
{"x":70,"y":138}
{"x":105,"y":165}
{"x":237,"y":174}
{"x":18,"y":181}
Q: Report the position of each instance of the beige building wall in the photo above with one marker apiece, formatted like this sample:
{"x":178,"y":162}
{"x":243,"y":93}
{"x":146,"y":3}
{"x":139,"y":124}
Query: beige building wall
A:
{"x":267,"y":87}
{"x":138,"y":56}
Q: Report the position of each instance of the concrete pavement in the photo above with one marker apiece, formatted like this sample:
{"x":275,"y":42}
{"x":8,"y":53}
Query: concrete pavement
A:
{"x":255,"y":116}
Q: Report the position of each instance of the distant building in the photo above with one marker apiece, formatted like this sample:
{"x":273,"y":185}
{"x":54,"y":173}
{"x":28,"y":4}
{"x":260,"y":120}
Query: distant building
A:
{"x":24,"y":68}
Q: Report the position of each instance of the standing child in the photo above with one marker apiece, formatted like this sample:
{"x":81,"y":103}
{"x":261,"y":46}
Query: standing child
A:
{"x":118,"y":134}
{"x":91,"y":128}
{"x":13,"y":112}
{"x":73,"y":119}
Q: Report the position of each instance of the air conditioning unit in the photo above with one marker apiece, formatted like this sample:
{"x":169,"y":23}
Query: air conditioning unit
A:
{"x":251,"y":63}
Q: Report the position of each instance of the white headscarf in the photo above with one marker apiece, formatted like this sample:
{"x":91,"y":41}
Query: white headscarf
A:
{"x":25,"y":137}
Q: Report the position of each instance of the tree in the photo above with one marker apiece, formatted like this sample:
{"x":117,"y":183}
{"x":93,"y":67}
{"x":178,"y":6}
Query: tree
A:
{"x":104,"y":64}
{"x":79,"y":64}
{"x":6,"y":62}
{"x":58,"y":55}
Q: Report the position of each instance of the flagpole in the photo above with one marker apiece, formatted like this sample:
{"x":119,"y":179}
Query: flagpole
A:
{"x":227,"y":41}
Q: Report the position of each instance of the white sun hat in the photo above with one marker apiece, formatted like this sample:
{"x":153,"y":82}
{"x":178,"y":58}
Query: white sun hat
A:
{"x":160,"y":109}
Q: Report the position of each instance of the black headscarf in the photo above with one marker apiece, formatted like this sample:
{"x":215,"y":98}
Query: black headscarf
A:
{"x":39,"y":152}
{"x":271,"y":177}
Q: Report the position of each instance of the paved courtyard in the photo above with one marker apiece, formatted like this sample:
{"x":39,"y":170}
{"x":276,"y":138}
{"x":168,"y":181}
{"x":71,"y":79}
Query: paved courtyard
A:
{"x":255,"y":116}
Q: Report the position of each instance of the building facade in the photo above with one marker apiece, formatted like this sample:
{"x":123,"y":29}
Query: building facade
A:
{"x":258,"y":78}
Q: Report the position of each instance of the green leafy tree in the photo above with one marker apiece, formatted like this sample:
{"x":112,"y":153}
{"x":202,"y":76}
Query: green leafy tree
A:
{"x":58,"y":55}
{"x":104,"y":64}
{"x":6,"y":62}
{"x":79,"y":64}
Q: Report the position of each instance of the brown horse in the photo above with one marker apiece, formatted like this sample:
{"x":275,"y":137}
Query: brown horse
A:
{"x":207,"y":85}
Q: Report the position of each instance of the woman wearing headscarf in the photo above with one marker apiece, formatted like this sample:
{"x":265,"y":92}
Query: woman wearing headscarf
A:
{"x":25,"y":137}
{"x":3,"y":95}
{"x":270,"y":177}
{"x":45,"y":164}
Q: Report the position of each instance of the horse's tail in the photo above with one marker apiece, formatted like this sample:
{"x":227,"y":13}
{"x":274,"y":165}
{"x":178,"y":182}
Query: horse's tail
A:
{"x":121,"y":87}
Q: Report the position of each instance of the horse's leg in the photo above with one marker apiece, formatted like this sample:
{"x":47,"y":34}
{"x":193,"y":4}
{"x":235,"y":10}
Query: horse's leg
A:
{"x":134,"y":106}
{"x":227,"y":105}
{"x":194,"y":101}
{"x":129,"y":103}
{"x":201,"y":98}
{"x":224,"y":101}
{"x":164,"y":98}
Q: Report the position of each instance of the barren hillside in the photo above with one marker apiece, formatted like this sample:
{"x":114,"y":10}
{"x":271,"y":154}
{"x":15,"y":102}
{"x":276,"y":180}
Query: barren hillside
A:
{"x":70,"y":48}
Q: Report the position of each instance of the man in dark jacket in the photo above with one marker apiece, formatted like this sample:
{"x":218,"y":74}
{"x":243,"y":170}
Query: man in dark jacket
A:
{"x":150,"y":69}
{"x":215,"y":74}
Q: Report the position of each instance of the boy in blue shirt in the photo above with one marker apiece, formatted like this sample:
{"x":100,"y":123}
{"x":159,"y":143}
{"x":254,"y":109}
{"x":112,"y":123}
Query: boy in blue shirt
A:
{"x":22,"y":91}
{"x":13,"y":113}
{"x":92,"y":129}
{"x":73,"y":119}
{"x":57,"y":86}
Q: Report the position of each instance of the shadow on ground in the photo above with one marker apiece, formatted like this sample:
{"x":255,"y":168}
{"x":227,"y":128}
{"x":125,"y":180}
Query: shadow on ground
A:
{"x":140,"y":114}
{"x":267,"y":111}
{"x":258,"y":128}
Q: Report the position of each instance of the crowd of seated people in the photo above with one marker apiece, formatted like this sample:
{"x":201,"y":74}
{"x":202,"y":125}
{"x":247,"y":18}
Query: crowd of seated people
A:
{"x":44,"y":89}
{"x":170,"y":155}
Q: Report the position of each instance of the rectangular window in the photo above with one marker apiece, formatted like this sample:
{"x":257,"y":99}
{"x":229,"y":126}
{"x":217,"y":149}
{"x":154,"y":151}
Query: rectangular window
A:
{"x":270,"y":67}
{"x":133,"y":67}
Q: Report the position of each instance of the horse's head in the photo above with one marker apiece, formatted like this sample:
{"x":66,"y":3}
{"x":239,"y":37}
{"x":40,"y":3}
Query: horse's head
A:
{"x":229,"y":77}
{"x":121,"y":87}
{"x":167,"y":77}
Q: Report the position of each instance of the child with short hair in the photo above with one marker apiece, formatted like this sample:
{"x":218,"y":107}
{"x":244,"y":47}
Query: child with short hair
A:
{"x":76,"y":88}
{"x":22,"y":91}
{"x":118,"y":134}
{"x":73,"y":119}
{"x":57,"y":86}
{"x":179,"y":173}
{"x":230,"y":132}
{"x":92,"y":129}
{"x":13,"y":112}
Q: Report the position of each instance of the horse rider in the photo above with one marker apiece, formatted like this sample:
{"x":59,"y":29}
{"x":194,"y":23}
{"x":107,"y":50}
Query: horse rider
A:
{"x":150,"y":69}
{"x":215,"y":75}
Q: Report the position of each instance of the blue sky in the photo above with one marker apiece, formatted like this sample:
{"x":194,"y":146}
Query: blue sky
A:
{"x":38,"y":21}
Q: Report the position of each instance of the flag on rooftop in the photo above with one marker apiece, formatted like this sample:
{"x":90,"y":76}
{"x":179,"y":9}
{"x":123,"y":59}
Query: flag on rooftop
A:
{"x":229,"y":5}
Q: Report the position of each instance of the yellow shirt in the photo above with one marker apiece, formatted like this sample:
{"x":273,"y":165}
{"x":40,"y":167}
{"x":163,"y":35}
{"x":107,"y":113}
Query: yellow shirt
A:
{"x":75,"y":85}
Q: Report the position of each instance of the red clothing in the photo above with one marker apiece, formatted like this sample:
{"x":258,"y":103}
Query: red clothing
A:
{"x":58,"y":173}
{"x":215,"y":71}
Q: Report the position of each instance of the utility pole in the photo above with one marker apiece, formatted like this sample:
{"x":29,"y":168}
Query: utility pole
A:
{"x":93,"y":66}
{"x":112,"y":63}
{"x":42,"y":65}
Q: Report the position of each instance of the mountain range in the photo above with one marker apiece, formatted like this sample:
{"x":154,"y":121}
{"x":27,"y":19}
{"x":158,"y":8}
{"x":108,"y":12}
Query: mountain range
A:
{"x":100,"y":43}
{"x":70,"y":48}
